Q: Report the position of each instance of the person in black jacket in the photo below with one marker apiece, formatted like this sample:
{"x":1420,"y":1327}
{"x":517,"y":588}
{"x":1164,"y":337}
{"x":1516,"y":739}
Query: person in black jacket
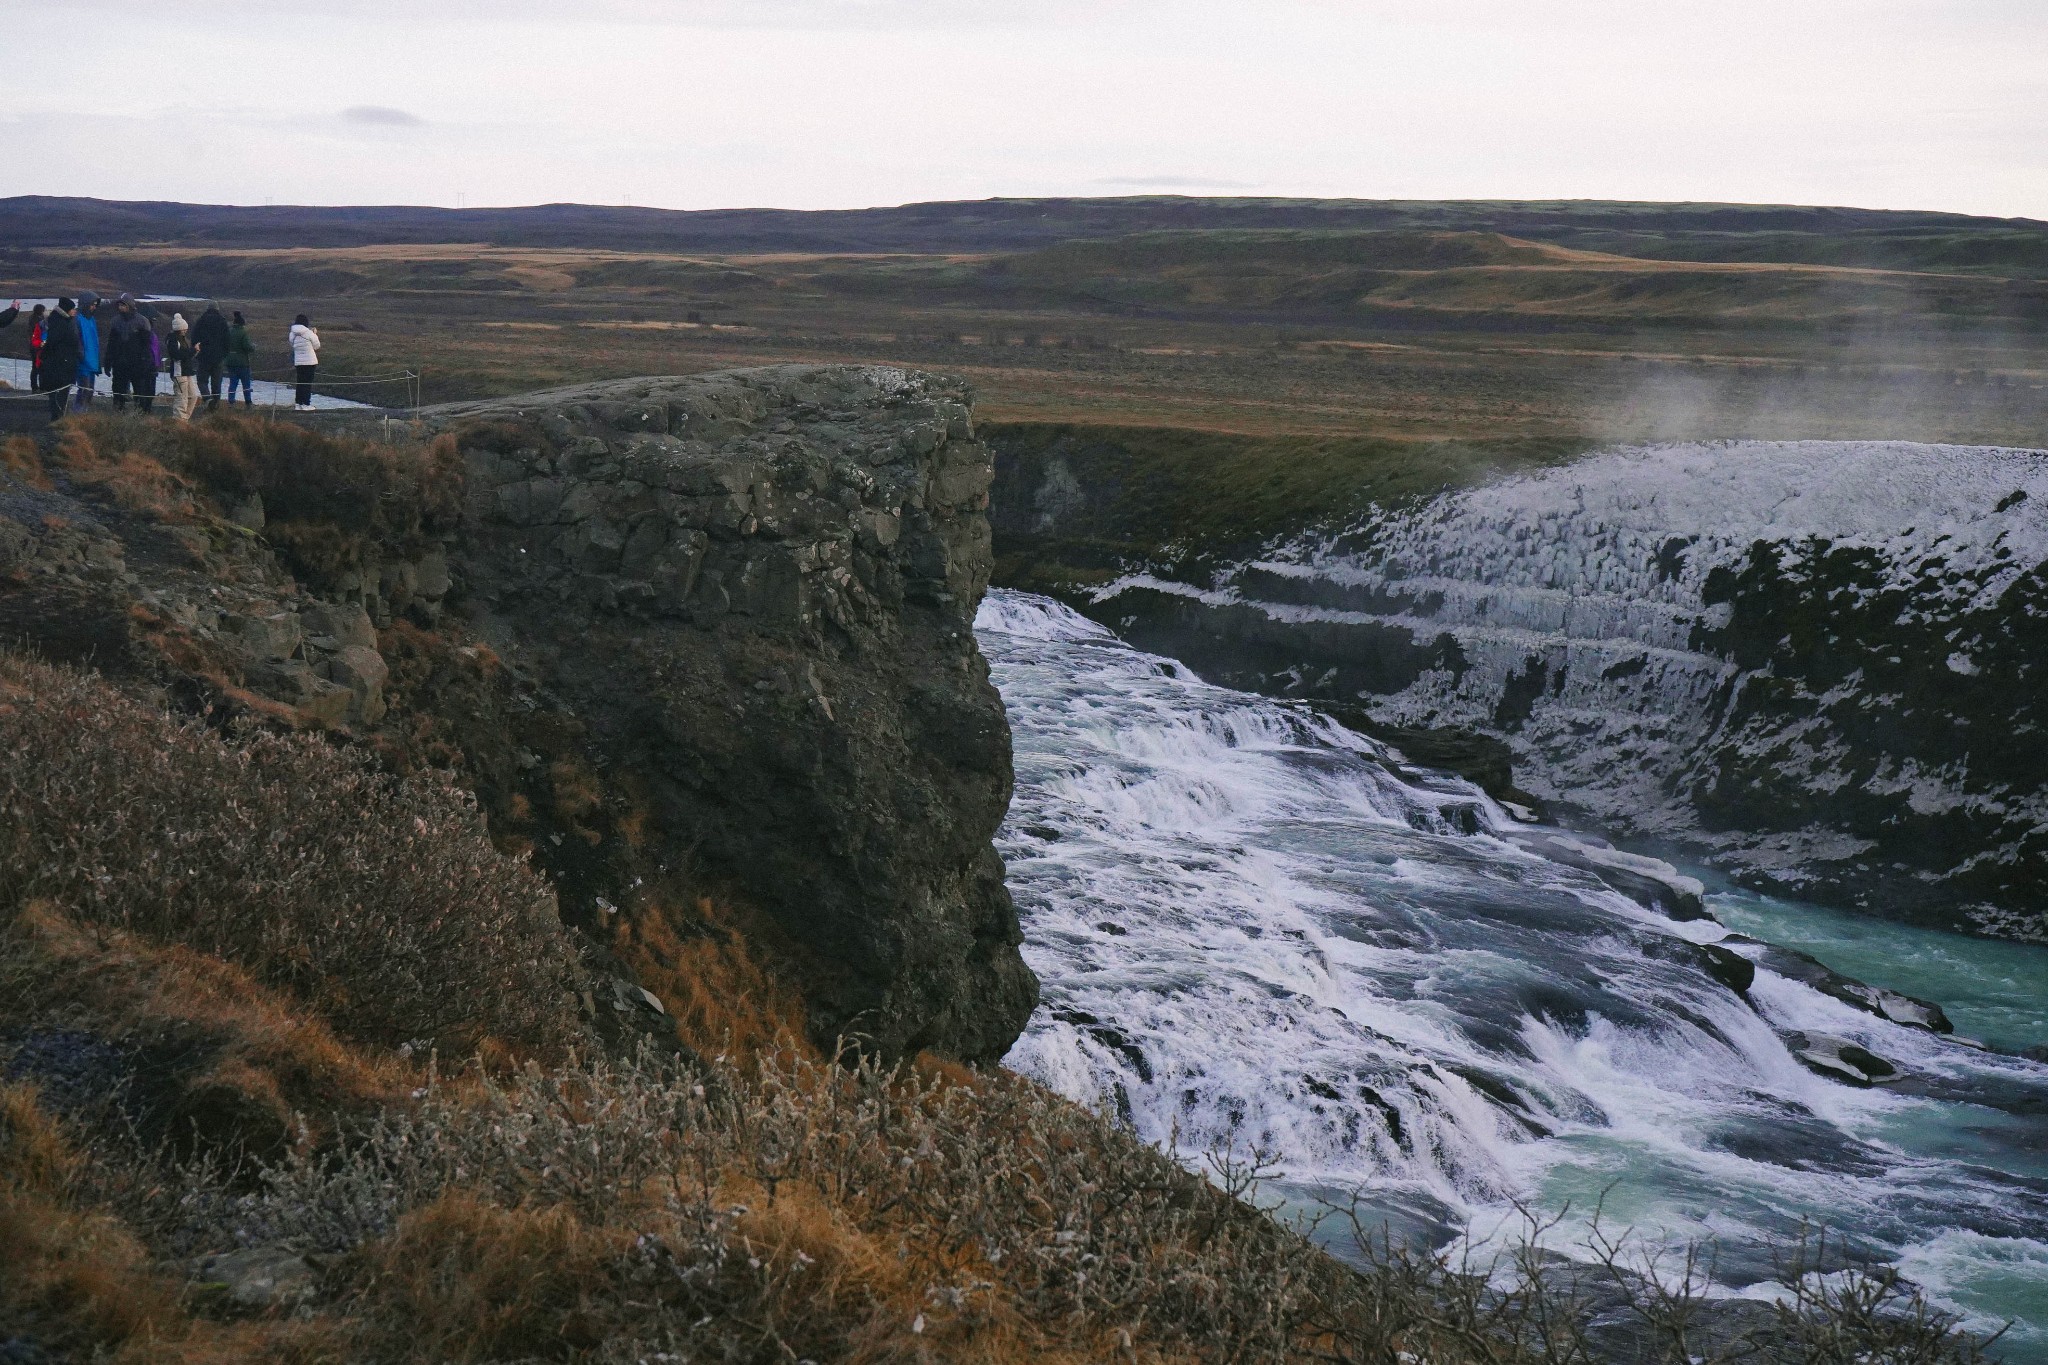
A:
{"x":210,"y":341}
{"x":132,"y":355}
{"x":62,"y":355}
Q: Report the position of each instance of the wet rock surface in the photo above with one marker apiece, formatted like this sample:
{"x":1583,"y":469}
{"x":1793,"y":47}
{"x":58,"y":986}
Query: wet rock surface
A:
{"x":1802,"y":967}
{"x":755,"y":591}
{"x":1839,"y":1059}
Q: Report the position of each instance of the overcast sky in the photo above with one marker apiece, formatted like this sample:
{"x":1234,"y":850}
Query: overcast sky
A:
{"x":1932,"y":104}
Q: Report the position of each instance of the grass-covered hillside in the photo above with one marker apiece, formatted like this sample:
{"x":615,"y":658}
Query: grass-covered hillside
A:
{"x":1398,"y":320}
{"x":978,"y":225}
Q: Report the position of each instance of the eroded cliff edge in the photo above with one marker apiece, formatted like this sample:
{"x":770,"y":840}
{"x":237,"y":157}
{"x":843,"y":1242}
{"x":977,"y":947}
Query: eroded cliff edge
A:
{"x":756,"y":589}
{"x":703,"y":646}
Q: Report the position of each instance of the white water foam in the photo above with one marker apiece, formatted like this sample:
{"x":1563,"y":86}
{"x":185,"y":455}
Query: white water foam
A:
{"x":1592,"y":578}
{"x":1254,"y":927}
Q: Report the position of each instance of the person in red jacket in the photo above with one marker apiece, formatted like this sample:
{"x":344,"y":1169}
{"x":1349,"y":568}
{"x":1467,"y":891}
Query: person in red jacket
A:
{"x":38,"y":328}
{"x":35,"y":339}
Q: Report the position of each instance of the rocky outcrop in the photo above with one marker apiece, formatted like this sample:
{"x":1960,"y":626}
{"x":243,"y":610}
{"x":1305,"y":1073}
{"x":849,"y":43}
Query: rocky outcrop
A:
{"x":755,"y":592}
{"x":83,"y":583}
{"x":682,"y":637}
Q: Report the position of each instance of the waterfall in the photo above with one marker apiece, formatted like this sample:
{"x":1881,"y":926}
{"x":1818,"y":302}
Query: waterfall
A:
{"x":1256,"y":928}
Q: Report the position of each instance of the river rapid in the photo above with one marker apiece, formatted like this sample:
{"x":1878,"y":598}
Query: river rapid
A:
{"x":1255,"y":927}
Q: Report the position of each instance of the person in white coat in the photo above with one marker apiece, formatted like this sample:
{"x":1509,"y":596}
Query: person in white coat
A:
{"x":181,"y":358}
{"x":305,"y":343}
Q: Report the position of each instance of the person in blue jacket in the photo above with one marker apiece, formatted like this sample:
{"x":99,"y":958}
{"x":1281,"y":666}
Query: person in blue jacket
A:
{"x":88,"y":348}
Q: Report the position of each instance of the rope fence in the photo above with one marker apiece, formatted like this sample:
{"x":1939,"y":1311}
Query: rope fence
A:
{"x":279,"y":391}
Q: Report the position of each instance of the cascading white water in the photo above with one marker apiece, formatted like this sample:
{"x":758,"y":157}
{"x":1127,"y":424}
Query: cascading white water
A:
{"x":1254,"y":927}
{"x":1578,"y":602}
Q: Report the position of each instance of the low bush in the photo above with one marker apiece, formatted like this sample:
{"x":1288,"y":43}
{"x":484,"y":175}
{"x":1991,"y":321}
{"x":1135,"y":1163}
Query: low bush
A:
{"x":378,"y":901}
{"x":79,"y":1284}
{"x":776,"y":1207}
{"x":784,"y":1209}
{"x":328,"y":499}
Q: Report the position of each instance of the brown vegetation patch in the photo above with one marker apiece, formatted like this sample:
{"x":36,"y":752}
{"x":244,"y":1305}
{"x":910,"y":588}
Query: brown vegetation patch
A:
{"x":377,"y":900}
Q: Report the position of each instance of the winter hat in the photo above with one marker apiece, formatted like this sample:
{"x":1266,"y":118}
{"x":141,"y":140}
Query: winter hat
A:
{"x":65,"y":305}
{"x":238,"y":317}
{"x":178,"y":323}
{"x":126,"y":297}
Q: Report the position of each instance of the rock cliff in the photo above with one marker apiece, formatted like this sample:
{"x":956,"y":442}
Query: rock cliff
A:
{"x":686,"y":637}
{"x":756,"y":590}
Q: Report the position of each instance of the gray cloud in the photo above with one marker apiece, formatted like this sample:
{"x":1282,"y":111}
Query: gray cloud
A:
{"x":381,"y":116}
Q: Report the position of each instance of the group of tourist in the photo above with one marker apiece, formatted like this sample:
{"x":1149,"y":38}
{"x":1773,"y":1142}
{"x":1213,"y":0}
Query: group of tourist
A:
{"x":67,"y":355}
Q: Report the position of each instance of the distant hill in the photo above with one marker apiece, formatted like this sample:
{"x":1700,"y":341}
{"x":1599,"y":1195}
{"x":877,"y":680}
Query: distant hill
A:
{"x":1833,"y":236}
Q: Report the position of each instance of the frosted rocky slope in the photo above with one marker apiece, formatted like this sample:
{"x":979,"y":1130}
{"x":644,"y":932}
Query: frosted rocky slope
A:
{"x":1817,"y":663}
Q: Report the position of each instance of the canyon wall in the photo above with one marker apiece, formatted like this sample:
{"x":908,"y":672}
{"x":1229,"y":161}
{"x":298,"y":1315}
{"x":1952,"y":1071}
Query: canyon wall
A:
{"x":1816,"y":665}
{"x":756,"y":590}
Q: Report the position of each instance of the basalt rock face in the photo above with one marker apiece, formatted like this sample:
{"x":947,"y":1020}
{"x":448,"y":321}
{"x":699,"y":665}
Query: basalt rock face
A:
{"x":756,"y":592}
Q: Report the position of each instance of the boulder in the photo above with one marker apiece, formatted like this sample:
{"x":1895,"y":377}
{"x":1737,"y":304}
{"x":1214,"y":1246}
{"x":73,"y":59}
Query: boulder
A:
{"x":1729,"y":967}
{"x":1839,"y":1059}
{"x":362,"y":671}
{"x":343,"y":623}
{"x":319,"y":702}
{"x":266,"y":635}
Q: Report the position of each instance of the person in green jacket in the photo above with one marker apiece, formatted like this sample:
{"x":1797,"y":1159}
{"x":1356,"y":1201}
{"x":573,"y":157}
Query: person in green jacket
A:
{"x":240,"y":355}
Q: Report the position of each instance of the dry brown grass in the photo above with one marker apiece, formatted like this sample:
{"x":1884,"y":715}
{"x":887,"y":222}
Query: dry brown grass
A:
{"x":786,"y":1209}
{"x":93,"y":455}
{"x":265,"y":1070}
{"x":378,"y":901}
{"x":77,"y":1280}
{"x":331,"y":502}
{"x":707,"y":969}
{"x":469,"y":1280}
{"x":20,"y":459}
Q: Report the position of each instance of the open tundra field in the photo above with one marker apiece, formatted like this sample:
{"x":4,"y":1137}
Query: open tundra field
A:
{"x":1437,"y":322}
